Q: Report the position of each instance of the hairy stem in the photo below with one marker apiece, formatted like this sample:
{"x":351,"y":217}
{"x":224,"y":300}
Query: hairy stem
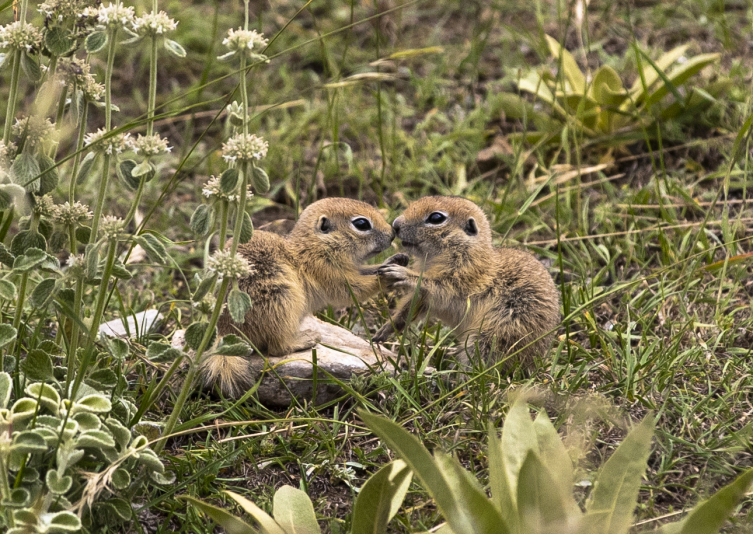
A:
{"x":11,"y":108}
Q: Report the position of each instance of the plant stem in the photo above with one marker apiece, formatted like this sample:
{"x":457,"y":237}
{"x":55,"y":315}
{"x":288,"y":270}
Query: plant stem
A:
{"x":17,"y":324}
{"x":152,"y":86}
{"x":223,"y":222}
{"x":193,"y":371}
{"x":73,"y":346}
{"x":77,"y":157}
{"x":11,"y":108}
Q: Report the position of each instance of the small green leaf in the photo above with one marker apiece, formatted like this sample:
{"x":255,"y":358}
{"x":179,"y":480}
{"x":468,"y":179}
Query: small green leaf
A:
{"x":142,"y":169}
{"x":229,"y":181}
{"x":149,"y":458}
{"x":6,"y":257}
{"x":86,"y":167}
{"x":91,"y":259}
{"x":202,"y":220}
{"x":31,"y":258}
{"x":247,"y":229}
{"x":118,"y":348}
{"x":30,"y":66}
{"x":23,"y":409}
{"x":37,"y":365}
{"x":261,"y":179}
{"x":95,"y":42}
{"x":57,"y":484}
{"x":121,"y":479}
{"x":238,"y":304}
{"x":161,"y":352}
{"x":23,"y":242}
{"x":294,"y":512}
{"x":6,"y":388}
{"x":6,"y":200}
{"x":92,"y":403}
{"x":236,"y":349}
{"x":119,"y":271}
{"x":153,"y":248}
{"x":97,"y":439}
{"x":380,"y":498}
{"x":162,"y":479}
{"x":230,"y":523}
{"x":569,"y":65}
{"x":50,"y":176}
{"x":7,"y":334}
{"x":28,"y":442}
{"x":150,"y":431}
{"x":103,"y":379}
{"x":19,"y":498}
{"x":43,"y":393}
{"x":120,"y":507}
{"x":121,"y":434}
{"x":125,"y":174}
{"x":25,"y":172}
{"x":43,"y":293}
{"x":195,"y":333}
{"x":205,"y":286}
{"x":174,"y":48}
{"x":61,"y":522}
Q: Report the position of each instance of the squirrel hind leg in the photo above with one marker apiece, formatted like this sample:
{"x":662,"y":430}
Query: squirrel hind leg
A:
{"x":303,"y":340}
{"x":233,"y":374}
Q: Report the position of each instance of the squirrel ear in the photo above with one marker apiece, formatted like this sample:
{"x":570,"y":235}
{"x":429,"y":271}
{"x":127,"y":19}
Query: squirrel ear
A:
{"x":323,"y":224}
{"x":470,"y":227}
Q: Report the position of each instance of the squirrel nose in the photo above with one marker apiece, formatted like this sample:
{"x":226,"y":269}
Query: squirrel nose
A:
{"x":396,"y":225}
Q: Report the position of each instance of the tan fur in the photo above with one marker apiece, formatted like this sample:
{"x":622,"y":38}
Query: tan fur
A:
{"x":513,"y":299}
{"x":296,"y":275}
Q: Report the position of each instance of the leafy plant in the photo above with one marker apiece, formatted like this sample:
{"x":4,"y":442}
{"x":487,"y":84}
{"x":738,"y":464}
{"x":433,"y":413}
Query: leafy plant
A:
{"x":602,"y":106}
{"x":531,"y":480}
{"x":377,"y":503}
{"x":56,"y":451}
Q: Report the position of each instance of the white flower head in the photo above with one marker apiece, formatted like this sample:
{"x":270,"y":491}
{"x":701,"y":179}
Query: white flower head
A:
{"x":6,"y":154}
{"x":149,"y":145}
{"x":77,"y":73}
{"x":244,"y":147}
{"x":76,"y":265}
{"x":115,"y":16}
{"x":213,"y":191}
{"x":102,"y":142}
{"x":112,"y":226}
{"x":38,"y":130}
{"x":70,"y":215}
{"x":20,"y":36}
{"x":224,"y":263}
{"x":45,"y":206}
{"x":62,"y":9}
{"x":244,"y":40}
{"x":153,"y":24}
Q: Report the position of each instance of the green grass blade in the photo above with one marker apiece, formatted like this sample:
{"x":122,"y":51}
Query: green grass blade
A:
{"x":380,"y":498}
{"x":616,"y":487}
{"x":294,"y":512}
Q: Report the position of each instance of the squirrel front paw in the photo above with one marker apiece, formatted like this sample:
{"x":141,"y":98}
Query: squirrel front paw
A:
{"x":397,"y":259}
{"x":396,"y":277}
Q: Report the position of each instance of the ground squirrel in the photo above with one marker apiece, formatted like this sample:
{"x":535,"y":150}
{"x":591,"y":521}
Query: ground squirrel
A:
{"x":498,"y":299}
{"x":317,"y":264}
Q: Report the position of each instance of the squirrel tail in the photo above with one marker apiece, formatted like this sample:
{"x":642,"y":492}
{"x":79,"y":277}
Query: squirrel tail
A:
{"x":232,"y":373}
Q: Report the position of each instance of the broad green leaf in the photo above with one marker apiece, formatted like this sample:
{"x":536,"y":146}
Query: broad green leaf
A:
{"x":570,"y":66}
{"x":30,"y":66}
{"x":23,"y":242}
{"x":150,"y":459}
{"x":471,"y":497}
{"x":23,"y":409}
{"x":195,"y":333}
{"x":553,"y":455}
{"x":95,"y":42}
{"x":174,"y":48}
{"x":650,"y":74}
{"x":533,"y":83}
{"x":6,"y":200}
{"x":423,"y":466}
{"x":261,"y":179}
{"x":142,"y":169}
{"x":121,"y":479}
{"x":230,"y":523}
{"x":120,"y":507}
{"x":92,"y":403}
{"x":202,"y":220}
{"x":50,"y":176}
{"x":168,"y":477}
{"x":25,"y":172}
{"x":267,"y":525}
{"x":294,"y":512}
{"x":518,"y":438}
{"x":86,"y":167}
{"x":153,"y":248}
{"x":709,"y":516}
{"x":57,"y":484}
{"x":607,"y":87}
{"x":6,"y":388}
{"x":28,"y":442}
{"x":680,"y":74}
{"x":380,"y":498}
{"x":247,"y":229}
{"x":616,"y":487}
{"x":31,"y":258}
{"x":43,"y":393}
{"x":7,"y":334}
{"x":124,"y":171}
{"x":205,"y":286}
{"x":238,"y":304}
{"x":236,"y":349}
{"x":541,"y":508}
{"x":43,"y":293}
{"x":61,"y":522}
{"x":58,"y":41}
{"x":229,"y":181}
{"x":97,"y":439}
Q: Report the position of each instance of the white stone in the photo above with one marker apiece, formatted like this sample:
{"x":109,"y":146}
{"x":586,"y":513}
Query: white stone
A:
{"x":138,"y":324}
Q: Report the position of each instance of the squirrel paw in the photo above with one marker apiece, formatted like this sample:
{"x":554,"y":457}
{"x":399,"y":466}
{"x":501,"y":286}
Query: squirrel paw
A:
{"x":397,"y":259}
{"x":382,"y":334}
{"x":396,"y":277}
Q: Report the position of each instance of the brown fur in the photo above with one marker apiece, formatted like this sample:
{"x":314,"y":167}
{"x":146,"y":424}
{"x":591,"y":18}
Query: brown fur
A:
{"x":498,"y":299}
{"x":296,"y":275}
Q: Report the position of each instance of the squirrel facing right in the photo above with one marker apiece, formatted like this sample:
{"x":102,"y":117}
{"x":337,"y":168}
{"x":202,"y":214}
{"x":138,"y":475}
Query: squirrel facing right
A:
{"x":499,"y":300}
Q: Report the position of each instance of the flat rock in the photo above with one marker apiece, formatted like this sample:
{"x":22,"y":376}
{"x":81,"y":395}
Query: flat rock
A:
{"x":340,"y":353}
{"x":138,"y":324}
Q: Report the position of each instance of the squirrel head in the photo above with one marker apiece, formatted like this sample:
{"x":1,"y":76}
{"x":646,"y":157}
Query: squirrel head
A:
{"x":433,"y":226}
{"x":345,"y":227}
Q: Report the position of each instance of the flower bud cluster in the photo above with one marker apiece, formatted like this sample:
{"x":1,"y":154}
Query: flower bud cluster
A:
{"x":244,"y":148}
{"x":153,"y":24}
{"x":213,"y":191}
{"x":20,"y":36}
{"x":227,"y":264}
{"x":77,"y":73}
{"x":244,"y":40}
{"x":38,"y":130}
{"x":149,"y":145}
{"x":112,"y":144}
{"x":111,"y":226}
{"x":70,"y":215}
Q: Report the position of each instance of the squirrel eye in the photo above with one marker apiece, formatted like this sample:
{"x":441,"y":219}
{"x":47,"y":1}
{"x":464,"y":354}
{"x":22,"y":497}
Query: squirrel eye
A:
{"x":362,"y":224}
{"x":436,"y":218}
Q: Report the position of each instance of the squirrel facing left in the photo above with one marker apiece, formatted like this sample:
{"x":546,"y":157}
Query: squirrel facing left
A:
{"x":498,"y":300}
{"x":318,"y":264}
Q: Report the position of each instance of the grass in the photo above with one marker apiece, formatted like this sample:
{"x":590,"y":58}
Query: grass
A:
{"x":649,"y":249}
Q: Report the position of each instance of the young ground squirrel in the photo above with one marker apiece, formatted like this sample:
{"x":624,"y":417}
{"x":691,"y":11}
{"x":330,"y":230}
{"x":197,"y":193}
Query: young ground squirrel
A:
{"x":498,"y":299}
{"x":317,"y":264}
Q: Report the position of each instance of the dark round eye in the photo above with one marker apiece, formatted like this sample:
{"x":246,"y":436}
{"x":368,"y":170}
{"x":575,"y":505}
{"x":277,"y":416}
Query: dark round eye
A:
{"x":361,"y":224}
{"x":436,"y":218}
